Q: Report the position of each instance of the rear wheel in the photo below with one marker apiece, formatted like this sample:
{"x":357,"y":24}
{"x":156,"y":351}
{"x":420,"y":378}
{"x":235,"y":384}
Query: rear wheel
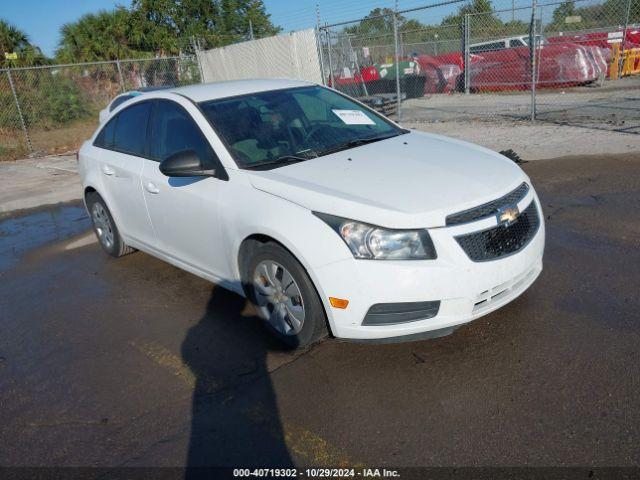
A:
{"x":284,"y":296}
{"x":105,"y":228}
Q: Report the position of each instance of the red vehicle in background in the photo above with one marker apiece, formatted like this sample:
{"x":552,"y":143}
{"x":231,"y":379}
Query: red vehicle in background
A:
{"x":601,"y":39}
{"x":505,"y":64}
{"x":500,"y":65}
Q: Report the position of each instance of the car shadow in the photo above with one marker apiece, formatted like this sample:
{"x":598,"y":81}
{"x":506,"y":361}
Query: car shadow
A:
{"x":235,"y":419}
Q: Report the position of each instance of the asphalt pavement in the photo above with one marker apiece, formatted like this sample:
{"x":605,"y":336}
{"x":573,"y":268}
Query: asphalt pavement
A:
{"x":133,"y":362}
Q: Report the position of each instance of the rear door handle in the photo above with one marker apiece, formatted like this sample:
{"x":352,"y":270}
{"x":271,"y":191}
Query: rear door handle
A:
{"x":151,"y":187}
{"x":107,"y":170}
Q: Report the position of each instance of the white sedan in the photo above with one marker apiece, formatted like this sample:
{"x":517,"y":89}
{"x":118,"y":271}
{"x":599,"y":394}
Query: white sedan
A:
{"x":327,"y":216}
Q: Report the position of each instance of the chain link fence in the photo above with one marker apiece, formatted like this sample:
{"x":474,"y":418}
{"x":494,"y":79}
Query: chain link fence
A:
{"x":54,"y":108}
{"x":572,"y":62}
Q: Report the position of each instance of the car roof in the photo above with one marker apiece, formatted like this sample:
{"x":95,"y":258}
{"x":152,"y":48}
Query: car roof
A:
{"x":141,"y":90}
{"x":203,"y":92}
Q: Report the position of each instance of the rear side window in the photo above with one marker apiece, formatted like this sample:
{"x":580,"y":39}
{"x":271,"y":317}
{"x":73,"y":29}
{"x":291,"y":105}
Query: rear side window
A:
{"x":173,"y":130}
{"x":119,"y":101}
{"x":131,"y":129}
{"x":105,"y":137}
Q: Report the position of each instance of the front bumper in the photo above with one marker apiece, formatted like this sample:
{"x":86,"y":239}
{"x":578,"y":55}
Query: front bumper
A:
{"x":466,"y":289}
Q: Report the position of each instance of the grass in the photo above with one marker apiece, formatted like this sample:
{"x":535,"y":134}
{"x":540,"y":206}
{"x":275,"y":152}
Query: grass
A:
{"x":46,"y":141}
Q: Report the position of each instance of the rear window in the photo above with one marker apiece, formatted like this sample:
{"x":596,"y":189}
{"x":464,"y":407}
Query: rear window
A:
{"x":119,"y":101}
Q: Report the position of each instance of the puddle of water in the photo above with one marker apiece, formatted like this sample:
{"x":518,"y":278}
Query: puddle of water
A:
{"x":25,"y":232}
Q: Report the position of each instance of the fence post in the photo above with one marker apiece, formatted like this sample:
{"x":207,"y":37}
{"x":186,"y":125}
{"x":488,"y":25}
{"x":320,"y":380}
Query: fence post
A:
{"x":331,"y":79}
{"x":22,"y":122}
{"x":120,"y":77}
{"x":320,"y":54}
{"x":397,"y":62}
{"x":532,"y":58}
{"x":624,"y":37}
{"x":466,"y":59}
{"x":319,"y":44}
{"x":357,"y":65}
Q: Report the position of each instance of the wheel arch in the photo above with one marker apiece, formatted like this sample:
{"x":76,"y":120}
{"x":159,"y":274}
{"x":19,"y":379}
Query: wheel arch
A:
{"x":90,"y":188}
{"x":253,"y":241}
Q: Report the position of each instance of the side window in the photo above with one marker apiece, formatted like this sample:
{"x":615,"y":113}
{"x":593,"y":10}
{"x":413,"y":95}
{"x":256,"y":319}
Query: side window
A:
{"x":173,"y":130}
{"x":105,"y":137}
{"x":131,"y":129}
{"x":515,"y":43}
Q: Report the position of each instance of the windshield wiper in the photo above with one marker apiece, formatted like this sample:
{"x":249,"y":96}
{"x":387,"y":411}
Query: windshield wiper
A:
{"x":359,"y":141}
{"x":283,"y":160}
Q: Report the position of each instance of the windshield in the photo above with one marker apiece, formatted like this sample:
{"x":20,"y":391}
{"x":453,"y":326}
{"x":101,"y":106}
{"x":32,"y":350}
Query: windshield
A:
{"x":281,"y":126}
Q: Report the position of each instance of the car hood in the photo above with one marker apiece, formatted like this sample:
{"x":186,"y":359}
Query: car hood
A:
{"x":409,"y":181}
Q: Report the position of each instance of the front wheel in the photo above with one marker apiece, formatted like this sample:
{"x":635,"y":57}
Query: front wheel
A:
{"x":284,"y":296}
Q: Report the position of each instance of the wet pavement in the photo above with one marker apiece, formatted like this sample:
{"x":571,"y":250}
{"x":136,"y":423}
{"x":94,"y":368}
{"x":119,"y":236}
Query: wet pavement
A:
{"x":132,"y":362}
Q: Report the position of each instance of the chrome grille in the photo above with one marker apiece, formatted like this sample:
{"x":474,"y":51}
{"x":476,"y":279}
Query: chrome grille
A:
{"x":502,"y":240}
{"x":488,"y":209}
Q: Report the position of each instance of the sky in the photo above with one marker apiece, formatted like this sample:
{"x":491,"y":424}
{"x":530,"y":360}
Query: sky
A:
{"x":42,"y":19}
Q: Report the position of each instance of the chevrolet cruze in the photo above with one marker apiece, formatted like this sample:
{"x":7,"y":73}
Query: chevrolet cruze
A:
{"x":326,"y":215}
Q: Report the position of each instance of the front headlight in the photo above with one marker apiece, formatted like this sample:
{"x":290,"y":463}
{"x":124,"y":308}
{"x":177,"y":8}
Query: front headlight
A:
{"x":377,"y":243}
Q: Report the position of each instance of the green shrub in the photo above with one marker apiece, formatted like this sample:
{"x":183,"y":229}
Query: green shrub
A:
{"x":52,"y":101}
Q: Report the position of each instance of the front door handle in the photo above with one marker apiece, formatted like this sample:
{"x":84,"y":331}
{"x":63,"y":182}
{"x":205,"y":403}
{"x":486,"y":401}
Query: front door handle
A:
{"x":151,"y":187}
{"x":107,"y":170}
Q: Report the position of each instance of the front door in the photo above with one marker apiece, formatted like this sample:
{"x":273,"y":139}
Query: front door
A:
{"x":184,"y":211}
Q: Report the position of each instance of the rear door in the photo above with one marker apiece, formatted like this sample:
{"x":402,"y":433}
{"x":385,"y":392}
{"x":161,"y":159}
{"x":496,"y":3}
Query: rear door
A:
{"x":122,"y":167}
{"x":184,"y":211}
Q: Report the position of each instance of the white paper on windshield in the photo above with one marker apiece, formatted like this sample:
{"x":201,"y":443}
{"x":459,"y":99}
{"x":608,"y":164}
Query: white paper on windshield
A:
{"x":353,"y":117}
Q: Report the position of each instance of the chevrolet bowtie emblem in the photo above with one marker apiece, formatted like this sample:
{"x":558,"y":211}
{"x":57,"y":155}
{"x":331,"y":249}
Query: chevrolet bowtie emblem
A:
{"x":508,"y":215}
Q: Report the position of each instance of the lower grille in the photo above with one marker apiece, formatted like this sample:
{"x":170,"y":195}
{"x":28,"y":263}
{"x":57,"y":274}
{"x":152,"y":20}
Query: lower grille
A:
{"x":502,"y":240}
{"x":392,"y":313}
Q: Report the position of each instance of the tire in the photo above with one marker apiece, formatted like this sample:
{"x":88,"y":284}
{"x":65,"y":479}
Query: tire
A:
{"x":105,"y":228}
{"x":272,"y":260}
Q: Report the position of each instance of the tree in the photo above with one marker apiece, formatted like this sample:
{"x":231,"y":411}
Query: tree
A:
{"x":14,"y":40}
{"x":474,"y":8}
{"x":379,"y":21}
{"x":161,"y":27}
{"x":236,"y":14}
{"x":563,"y":11}
{"x":105,"y":35}
{"x":167,"y":26}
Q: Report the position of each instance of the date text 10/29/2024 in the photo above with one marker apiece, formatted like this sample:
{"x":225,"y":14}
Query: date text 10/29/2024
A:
{"x":316,"y":473}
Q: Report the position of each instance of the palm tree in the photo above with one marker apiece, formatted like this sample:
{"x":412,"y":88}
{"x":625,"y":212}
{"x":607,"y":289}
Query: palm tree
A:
{"x":14,"y":40}
{"x":101,"y":36}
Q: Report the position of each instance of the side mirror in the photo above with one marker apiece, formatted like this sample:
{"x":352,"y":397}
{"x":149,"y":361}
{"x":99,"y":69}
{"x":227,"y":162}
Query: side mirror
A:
{"x":186,"y":163}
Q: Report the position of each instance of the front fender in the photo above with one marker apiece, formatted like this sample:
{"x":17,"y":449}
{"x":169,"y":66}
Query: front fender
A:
{"x":312,"y":242}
